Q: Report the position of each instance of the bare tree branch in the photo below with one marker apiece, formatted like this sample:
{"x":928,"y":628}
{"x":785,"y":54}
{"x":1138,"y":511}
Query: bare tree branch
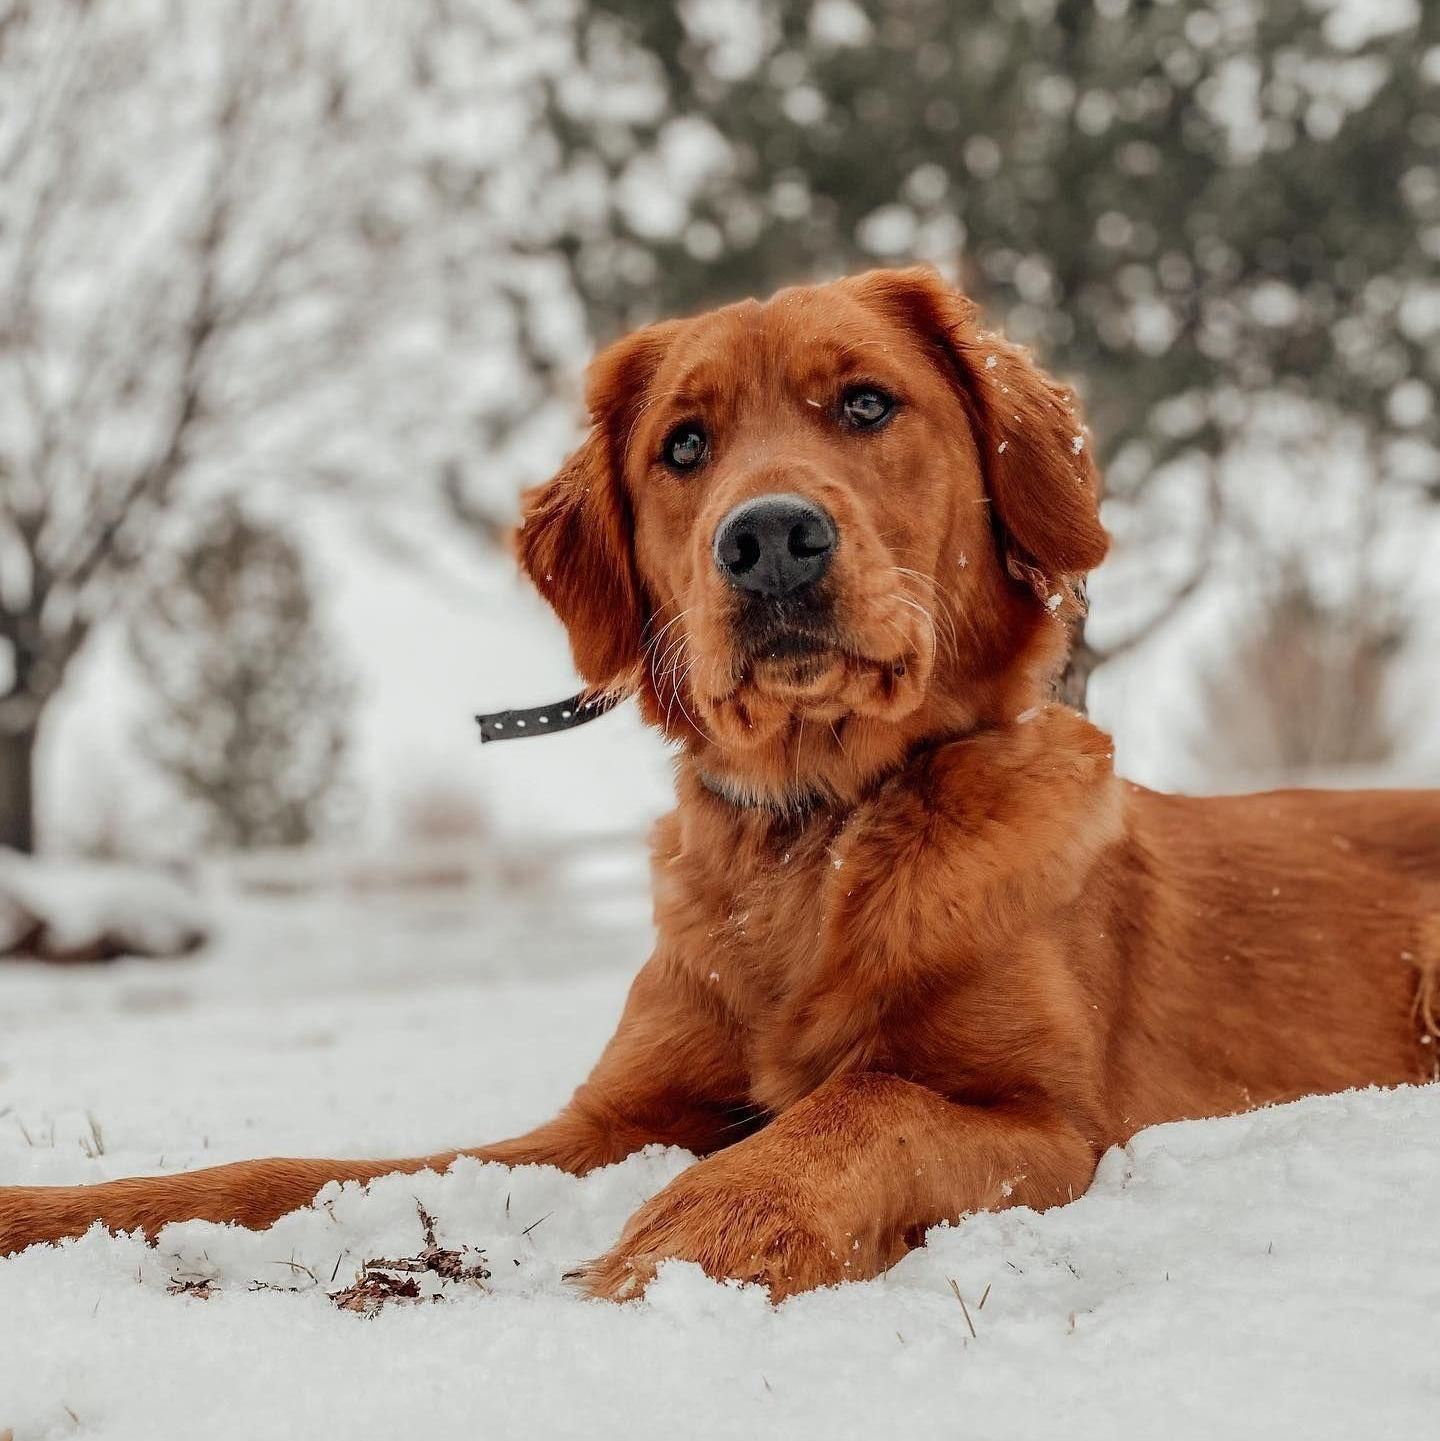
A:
{"x":1086,"y":658}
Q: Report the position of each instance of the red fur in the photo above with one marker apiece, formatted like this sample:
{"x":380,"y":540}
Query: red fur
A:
{"x":981,"y":958}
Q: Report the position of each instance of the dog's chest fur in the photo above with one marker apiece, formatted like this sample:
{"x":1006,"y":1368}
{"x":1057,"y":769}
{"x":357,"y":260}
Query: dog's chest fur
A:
{"x":845,"y":940}
{"x":759,"y":921}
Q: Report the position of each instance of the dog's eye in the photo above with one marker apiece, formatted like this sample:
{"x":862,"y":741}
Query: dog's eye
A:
{"x":686,"y":446}
{"x":864,"y":406}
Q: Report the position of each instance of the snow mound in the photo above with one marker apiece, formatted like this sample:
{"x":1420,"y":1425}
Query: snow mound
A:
{"x":85,"y":910}
{"x":1272,"y":1274}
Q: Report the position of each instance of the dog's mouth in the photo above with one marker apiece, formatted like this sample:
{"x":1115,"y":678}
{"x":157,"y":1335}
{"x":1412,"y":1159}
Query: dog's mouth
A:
{"x":788,"y":631}
{"x":787,"y":645}
{"x":790,"y":655}
{"x":809,"y":665}
{"x":761,"y":670}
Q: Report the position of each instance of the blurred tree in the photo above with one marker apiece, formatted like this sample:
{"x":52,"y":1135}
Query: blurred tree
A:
{"x":1302,"y":693}
{"x":1191,"y":209}
{"x":225,"y":257}
{"x":248,"y":704}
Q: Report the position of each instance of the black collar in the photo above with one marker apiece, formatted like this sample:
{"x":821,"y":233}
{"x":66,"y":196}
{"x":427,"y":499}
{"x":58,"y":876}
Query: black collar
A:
{"x":579,"y":710}
{"x":562,"y":715}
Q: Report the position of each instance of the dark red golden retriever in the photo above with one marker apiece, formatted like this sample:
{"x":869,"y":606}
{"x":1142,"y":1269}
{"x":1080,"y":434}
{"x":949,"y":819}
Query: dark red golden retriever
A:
{"x":920,"y":951}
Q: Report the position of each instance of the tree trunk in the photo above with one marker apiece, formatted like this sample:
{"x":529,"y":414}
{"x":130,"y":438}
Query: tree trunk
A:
{"x":17,"y":793}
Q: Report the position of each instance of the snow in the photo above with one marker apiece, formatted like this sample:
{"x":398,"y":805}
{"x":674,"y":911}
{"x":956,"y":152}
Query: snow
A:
{"x":1271,"y":1274}
{"x":78,"y":909}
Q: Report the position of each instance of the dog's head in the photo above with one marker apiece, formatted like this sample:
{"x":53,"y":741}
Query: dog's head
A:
{"x":810,"y":532}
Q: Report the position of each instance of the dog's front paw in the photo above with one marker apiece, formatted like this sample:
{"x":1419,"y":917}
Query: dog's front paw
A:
{"x":733,"y":1227}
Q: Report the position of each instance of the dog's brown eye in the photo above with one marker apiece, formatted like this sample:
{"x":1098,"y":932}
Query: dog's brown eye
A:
{"x":865,"y":406}
{"x":686,"y":446}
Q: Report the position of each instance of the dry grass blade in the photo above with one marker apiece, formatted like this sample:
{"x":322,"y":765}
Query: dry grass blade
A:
{"x":372,"y":1289}
{"x":382,"y":1280}
{"x":201,"y":1287}
{"x":964,"y":1309}
{"x":533,"y":1224}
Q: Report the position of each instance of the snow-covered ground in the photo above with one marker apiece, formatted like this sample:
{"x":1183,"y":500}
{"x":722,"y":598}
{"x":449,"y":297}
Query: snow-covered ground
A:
{"x":78,"y":910}
{"x":1276,"y":1274}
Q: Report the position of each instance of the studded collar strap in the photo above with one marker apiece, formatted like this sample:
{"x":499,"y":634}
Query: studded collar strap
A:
{"x":562,"y":715}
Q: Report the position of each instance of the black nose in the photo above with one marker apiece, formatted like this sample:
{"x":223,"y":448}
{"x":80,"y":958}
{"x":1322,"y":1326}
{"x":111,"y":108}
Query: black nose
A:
{"x":774,"y":544}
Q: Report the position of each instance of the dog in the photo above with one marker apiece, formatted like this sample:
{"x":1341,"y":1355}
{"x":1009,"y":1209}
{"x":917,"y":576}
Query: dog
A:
{"x":920,"y":951}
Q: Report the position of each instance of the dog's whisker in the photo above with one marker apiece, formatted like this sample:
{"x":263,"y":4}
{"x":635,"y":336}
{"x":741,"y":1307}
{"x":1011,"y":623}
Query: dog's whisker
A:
{"x":680,"y":700}
{"x":923,"y":611}
{"x":654,"y":616}
{"x":682,"y":656}
{"x":940,"y":602}
{"x":750,"y":1114}
{"x":653,"y":645}
{"x":675,"y":648}
{"x":679,"y":687}
{"x":672,"y":652}
{"x":670,"y":678}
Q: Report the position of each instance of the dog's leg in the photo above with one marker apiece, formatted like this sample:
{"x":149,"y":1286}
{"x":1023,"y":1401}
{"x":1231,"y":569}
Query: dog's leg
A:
{"x":843,"y":1183}
{"x":670,"y":1073}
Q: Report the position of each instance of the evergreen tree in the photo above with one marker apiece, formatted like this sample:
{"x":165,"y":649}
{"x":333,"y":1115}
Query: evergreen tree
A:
{"x":248,"y":703}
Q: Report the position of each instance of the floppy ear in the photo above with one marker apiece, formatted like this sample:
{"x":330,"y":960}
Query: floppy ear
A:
{"x":574,"y":545}
{"x":1034,"y":447}
{"x":575,"y":537}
